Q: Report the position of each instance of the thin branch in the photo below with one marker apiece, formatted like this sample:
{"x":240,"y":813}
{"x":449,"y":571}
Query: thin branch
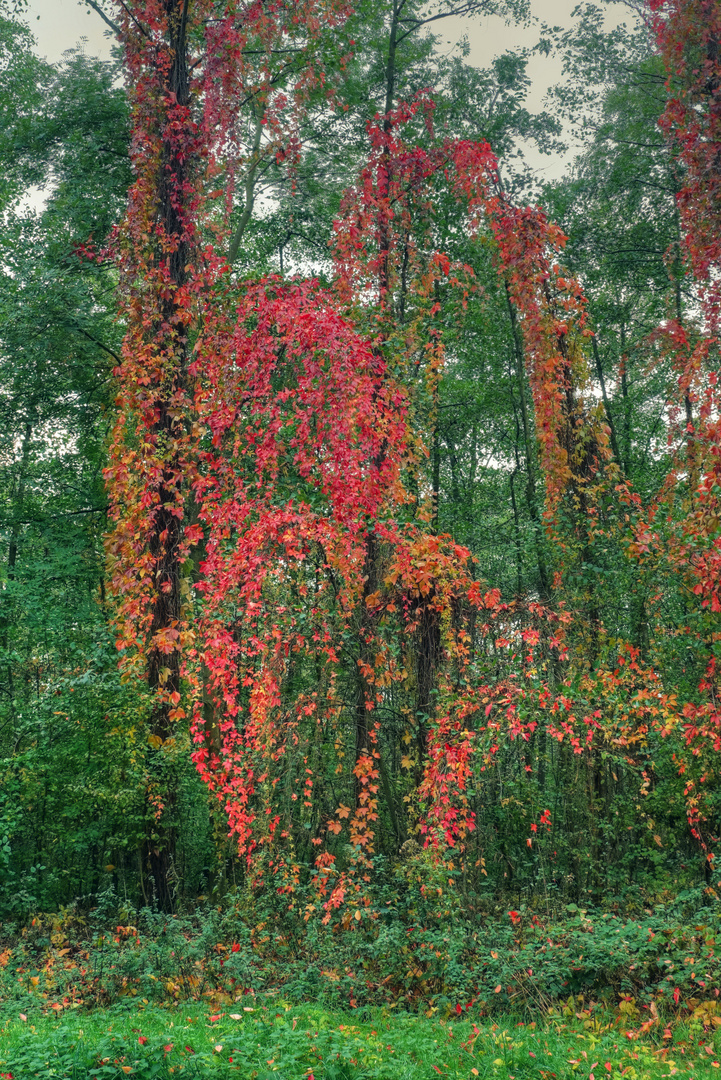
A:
{"x":53,"y":517}
{"x":95,"y":341}
{"x":256,"y":158}
{"x":141,"y":28}
{"x":415,"y":23}
{"x":96,"y":7}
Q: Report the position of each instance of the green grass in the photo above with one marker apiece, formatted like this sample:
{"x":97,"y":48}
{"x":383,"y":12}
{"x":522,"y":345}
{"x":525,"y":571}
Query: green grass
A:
{"x":276,"y":1041}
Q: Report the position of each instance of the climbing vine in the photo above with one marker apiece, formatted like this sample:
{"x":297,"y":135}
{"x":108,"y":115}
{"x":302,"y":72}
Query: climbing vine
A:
{"x":279,"y":575}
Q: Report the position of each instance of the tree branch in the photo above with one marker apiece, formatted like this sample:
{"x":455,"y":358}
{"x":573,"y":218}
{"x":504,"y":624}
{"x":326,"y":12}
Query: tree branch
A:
{"x":255,"y":160}
{"x":96,"y":7}
{"x":473,"y":7}
{"x":130,"y":15}
{"x":95,"y":341}
{"x":54,"y":517}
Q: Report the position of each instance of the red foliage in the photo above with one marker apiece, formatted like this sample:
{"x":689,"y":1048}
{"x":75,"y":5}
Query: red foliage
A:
{"x":290,"y":440}
{"x":269,"y":578}
{"x":689,"y":39}
{"x":689,"y":36}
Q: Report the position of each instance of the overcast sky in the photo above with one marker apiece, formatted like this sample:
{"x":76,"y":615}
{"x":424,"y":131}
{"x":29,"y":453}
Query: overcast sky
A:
{"x":60,"y":24}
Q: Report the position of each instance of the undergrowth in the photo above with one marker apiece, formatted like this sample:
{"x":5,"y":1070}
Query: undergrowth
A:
{"x":662,"y":962}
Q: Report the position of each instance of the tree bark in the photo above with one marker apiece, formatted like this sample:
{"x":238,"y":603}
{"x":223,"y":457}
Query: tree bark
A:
{"x":163,"y":671}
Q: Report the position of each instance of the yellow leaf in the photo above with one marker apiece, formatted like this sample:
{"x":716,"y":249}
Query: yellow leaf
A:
{"x":358,"y":916}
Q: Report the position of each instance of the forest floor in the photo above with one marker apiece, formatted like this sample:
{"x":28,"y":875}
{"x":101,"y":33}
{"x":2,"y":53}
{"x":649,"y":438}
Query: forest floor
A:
{"x":304,"y":1042}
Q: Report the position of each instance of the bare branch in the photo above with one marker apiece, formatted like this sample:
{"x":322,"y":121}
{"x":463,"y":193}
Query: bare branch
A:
{"x":106,"y":19}
{"x":255,"y":160}
{"x":96,"y":341}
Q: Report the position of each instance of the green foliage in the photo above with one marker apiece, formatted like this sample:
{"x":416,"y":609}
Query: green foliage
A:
{"x":272,"y":1039}
{"x":416,"y":952}
{"x":74,"y":809}
{"x":23,"y":78}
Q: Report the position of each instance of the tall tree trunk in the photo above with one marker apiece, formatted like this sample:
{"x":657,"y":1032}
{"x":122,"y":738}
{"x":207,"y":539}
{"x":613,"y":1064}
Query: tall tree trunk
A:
{"x":606,"y":404}
{"x":17,"y":513}
{"x":534,"y":510}
{"x":174,"y":253}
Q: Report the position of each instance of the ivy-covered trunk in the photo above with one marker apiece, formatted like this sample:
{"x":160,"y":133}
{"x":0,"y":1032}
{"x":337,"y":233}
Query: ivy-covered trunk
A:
{"x":158,"y":245}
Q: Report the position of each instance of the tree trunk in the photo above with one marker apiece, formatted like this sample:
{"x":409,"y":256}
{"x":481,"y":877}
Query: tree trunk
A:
{"x":173,"y":253}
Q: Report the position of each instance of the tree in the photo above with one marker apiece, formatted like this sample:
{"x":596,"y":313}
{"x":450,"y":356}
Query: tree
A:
{"x":23,"y":79}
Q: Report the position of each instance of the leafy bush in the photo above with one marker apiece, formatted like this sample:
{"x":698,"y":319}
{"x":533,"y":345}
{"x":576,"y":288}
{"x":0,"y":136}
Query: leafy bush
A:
{"x":389,"y":957}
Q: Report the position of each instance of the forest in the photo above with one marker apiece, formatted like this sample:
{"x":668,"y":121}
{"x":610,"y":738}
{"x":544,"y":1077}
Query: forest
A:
{"x":360,"y":536}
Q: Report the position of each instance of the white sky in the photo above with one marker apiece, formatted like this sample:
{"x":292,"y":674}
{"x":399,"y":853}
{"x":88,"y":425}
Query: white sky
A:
{"x":60,"y":24}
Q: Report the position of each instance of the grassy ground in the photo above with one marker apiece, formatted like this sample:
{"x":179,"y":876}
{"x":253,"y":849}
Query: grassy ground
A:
{"x":275,"y":1041}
